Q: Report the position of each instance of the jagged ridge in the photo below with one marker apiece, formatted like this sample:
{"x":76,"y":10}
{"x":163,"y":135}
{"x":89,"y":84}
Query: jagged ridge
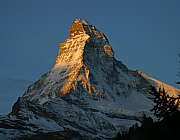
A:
{"x":74,"y":56}
{"x":88,"y":92}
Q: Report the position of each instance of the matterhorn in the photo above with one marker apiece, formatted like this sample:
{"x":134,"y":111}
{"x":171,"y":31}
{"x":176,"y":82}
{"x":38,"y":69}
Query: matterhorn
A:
{"x":88,"y":94}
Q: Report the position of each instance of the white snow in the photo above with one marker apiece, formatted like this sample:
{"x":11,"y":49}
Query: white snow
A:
{"x":94,"y":83}
{"x":46,"y":124}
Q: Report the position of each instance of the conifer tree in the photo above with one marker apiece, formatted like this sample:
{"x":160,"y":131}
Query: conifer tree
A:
{"x":165,"y":105}
{"x":178,"y":71}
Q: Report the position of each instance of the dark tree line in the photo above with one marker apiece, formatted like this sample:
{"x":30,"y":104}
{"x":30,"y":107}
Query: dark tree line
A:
{"x":165,"y":106}
{"x":166,"y":109}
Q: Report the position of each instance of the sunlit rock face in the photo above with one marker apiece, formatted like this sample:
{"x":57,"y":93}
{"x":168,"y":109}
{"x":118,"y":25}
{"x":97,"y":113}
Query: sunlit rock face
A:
{"x":88,"y":94}
{"x":87,"y":48}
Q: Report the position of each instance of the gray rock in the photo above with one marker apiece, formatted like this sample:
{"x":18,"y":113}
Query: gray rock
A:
{"x":87,"y":95}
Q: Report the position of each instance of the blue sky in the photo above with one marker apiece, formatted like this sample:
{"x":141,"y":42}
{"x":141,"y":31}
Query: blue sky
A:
{"x":145,"y":35}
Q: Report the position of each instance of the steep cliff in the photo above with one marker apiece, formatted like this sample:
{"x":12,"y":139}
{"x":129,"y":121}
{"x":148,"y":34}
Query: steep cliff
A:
{"x":88,"y":94}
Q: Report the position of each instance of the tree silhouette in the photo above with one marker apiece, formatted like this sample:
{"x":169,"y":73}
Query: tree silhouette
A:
{"x":178,"y":71}
{"x":166,"y":108}
{"x":165,"y":105}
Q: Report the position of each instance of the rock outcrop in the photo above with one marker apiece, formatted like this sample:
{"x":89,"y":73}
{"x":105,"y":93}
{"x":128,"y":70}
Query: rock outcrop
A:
{"x":88,"y":94}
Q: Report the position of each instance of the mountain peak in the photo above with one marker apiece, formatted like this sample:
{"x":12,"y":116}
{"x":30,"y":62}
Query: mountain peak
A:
{"x":86,"y":51}
{"x":88,"y":93}
{"x":81,"y":35}
{"x":76,"y":28}
{"x":86,"y":65}
{"x":81,"y":26}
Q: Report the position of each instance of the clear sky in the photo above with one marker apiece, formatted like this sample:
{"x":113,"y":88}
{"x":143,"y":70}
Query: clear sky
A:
{"x":145,"y":35}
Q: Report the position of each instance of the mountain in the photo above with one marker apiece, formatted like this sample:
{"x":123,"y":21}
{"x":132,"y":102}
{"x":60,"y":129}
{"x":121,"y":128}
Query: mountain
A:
{"x":88,"y":94}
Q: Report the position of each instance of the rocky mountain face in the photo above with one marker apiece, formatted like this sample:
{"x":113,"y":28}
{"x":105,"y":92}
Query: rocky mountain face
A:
{"x":87,"y":95}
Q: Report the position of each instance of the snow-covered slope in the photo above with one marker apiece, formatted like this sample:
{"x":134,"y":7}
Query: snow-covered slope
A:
{"x":88,"y":94}
{"x":171,"y":90}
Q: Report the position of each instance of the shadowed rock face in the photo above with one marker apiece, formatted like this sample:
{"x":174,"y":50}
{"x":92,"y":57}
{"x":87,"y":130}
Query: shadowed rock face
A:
{"x":87,"y":93}
{"x":87,"y":48}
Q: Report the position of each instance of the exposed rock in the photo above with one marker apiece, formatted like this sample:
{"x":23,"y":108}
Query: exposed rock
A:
{"x":88,"y":93}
